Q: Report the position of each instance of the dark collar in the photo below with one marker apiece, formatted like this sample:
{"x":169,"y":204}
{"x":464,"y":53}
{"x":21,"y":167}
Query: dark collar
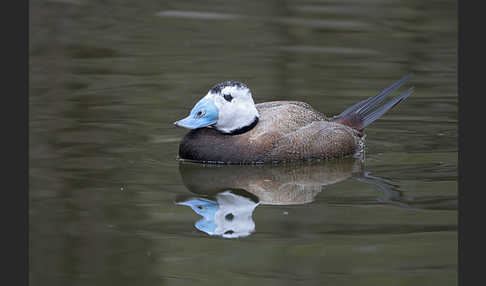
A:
{"x":244,"y":129}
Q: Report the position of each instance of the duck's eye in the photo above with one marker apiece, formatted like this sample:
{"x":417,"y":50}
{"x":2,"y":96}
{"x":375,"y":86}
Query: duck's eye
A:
{"x":229,"y":232}
{"x":228,"y":97}
{"x":229,"y":217}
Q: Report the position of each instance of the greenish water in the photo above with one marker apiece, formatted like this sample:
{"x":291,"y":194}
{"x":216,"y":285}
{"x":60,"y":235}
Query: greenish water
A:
{"x":107,"y":193}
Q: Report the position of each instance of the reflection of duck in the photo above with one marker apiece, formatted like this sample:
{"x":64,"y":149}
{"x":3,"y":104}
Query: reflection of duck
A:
{"x":228,"y":195}
{"x":242,"y":132}
{"x":239,"y":189}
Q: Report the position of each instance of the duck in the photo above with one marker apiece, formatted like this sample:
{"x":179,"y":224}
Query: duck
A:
{"x":227,"y":127}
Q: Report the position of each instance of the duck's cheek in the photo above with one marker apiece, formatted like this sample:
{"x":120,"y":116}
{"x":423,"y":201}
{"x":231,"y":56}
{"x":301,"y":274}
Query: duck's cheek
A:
{"x":224,"y":118}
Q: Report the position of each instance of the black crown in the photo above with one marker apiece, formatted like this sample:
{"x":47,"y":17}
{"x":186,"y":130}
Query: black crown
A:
{"x":218,"y":87}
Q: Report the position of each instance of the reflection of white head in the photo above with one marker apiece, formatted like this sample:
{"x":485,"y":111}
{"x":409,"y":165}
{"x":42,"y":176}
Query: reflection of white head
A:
{"x":234,"y":217}
{"x":229,"y":216}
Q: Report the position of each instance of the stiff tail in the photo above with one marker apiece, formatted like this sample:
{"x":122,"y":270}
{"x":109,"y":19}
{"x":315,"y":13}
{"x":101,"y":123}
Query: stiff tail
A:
{"x":367,"y":111}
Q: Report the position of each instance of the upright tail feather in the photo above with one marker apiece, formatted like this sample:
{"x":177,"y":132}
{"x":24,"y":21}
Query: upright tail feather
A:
{"x":367,"y":111}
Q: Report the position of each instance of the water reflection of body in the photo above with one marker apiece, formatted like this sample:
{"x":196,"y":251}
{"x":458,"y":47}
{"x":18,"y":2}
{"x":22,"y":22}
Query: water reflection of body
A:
{"x":236,"y":190}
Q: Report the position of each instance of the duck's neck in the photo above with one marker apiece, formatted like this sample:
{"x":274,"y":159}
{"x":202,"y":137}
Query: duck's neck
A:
{"x":244,"y":128}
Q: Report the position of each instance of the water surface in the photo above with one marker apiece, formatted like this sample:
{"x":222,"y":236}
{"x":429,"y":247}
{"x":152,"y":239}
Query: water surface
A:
{"x":107,"y":193}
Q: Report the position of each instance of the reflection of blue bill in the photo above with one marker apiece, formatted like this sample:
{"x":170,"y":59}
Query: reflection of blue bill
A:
{"x":205,"y":208}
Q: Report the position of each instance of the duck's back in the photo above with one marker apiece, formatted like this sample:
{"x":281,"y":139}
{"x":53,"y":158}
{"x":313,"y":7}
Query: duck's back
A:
{"x":286,"y":131}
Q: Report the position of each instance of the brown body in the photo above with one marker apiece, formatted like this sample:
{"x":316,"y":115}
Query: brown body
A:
{"x":286,"y":131}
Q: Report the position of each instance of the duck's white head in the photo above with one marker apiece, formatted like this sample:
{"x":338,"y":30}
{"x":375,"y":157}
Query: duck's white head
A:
{"x":228,"y":107}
